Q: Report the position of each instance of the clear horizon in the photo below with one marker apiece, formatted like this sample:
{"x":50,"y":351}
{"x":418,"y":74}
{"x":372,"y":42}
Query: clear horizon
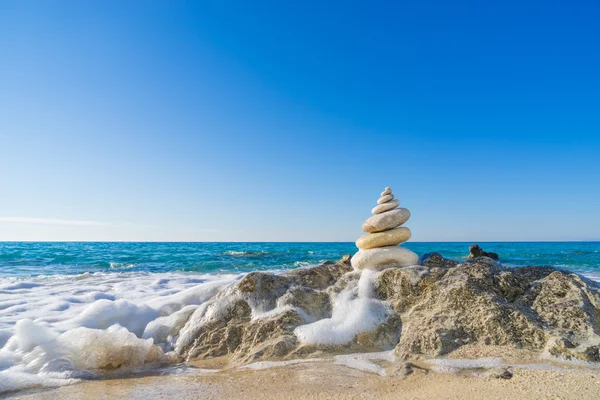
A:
{"x":239,"y":122}
{"x":412,"y":241}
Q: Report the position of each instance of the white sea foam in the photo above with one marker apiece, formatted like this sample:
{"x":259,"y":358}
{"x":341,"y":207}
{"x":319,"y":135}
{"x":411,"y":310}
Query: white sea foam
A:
{"x":363,"y":361}
{"x":303,"y":264}
{"x":184,"y":370}
{"x":11,"y":381}
{"x":165,"y":330}
{"x":234,"y":253}
{"x":355,"y":310}
{"x":103,"y":314}
{"x":278,"y":364}
{"x":538,"y":367}
{"x":594,"y":276}
{"x":116,"y":265}
{"x":55,"y":330}
{"x":37,"y":348}
{"x":5,"y":334}
{"x":455,"y":365}
{"x":259,"y":312}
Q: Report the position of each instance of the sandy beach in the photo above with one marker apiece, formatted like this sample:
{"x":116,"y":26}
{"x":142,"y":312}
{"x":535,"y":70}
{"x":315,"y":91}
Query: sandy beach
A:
{"x":326,"y":380}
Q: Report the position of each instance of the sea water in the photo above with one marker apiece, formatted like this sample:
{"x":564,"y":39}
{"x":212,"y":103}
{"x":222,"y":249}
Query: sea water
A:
{"x":69,"y":310}
{"x":29,"y":259}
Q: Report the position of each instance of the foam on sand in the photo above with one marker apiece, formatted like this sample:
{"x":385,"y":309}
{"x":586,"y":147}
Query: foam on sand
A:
{"x":278,"y":364}
{"x":35,"y":349}
{"x":362,"y":361}
{"x":355,"y":310}
{"x":11,"y":381}
{"x":82,"y":327}
{"x":455,"y":365}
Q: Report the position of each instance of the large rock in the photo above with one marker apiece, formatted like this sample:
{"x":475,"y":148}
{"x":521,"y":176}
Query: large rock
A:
{"x":481,"y":302}
{"x":255,"y":318}
{"x":387,"y":220}
{"x":384,"y":257}
{"x":434,"y":309}
{"x":392,"y":237}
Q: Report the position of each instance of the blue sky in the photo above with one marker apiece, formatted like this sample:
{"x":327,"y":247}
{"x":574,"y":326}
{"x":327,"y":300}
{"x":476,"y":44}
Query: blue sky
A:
{"x":266,"y":121}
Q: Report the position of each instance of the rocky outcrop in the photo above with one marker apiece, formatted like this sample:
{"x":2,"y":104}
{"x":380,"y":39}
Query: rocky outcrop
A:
{"x":255,"y":318}
{"x":476,"y":251}
{"x":431,"y":310}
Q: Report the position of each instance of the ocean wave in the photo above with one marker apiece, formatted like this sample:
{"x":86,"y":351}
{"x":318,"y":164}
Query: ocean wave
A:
{"x":72,"y":328}
{"x":303,"y":264}
{"x":117,"y":265}
{"x":584,"y":252}
{"x":234,"y":253}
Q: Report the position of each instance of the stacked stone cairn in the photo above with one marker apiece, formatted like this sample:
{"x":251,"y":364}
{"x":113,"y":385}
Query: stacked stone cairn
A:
{"x":379,"y":249}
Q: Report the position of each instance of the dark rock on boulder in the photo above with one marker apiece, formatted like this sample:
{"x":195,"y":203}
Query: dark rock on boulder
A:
{"x":476,"y":251}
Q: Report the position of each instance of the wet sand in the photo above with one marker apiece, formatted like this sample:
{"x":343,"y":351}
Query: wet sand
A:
{"x":326,"y":380}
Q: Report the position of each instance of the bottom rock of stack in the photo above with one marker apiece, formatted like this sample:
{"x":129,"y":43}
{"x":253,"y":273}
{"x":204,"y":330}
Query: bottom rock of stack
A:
{"x":384,"y":257}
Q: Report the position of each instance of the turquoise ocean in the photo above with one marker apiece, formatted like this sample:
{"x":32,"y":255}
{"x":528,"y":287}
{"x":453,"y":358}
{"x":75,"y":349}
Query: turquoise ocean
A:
{"x":29,"y":259}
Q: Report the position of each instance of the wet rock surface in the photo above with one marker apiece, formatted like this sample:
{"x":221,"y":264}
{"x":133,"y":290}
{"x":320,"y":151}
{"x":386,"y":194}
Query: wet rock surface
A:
{"x":434,"y":309}
{"x":498,"y":373}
